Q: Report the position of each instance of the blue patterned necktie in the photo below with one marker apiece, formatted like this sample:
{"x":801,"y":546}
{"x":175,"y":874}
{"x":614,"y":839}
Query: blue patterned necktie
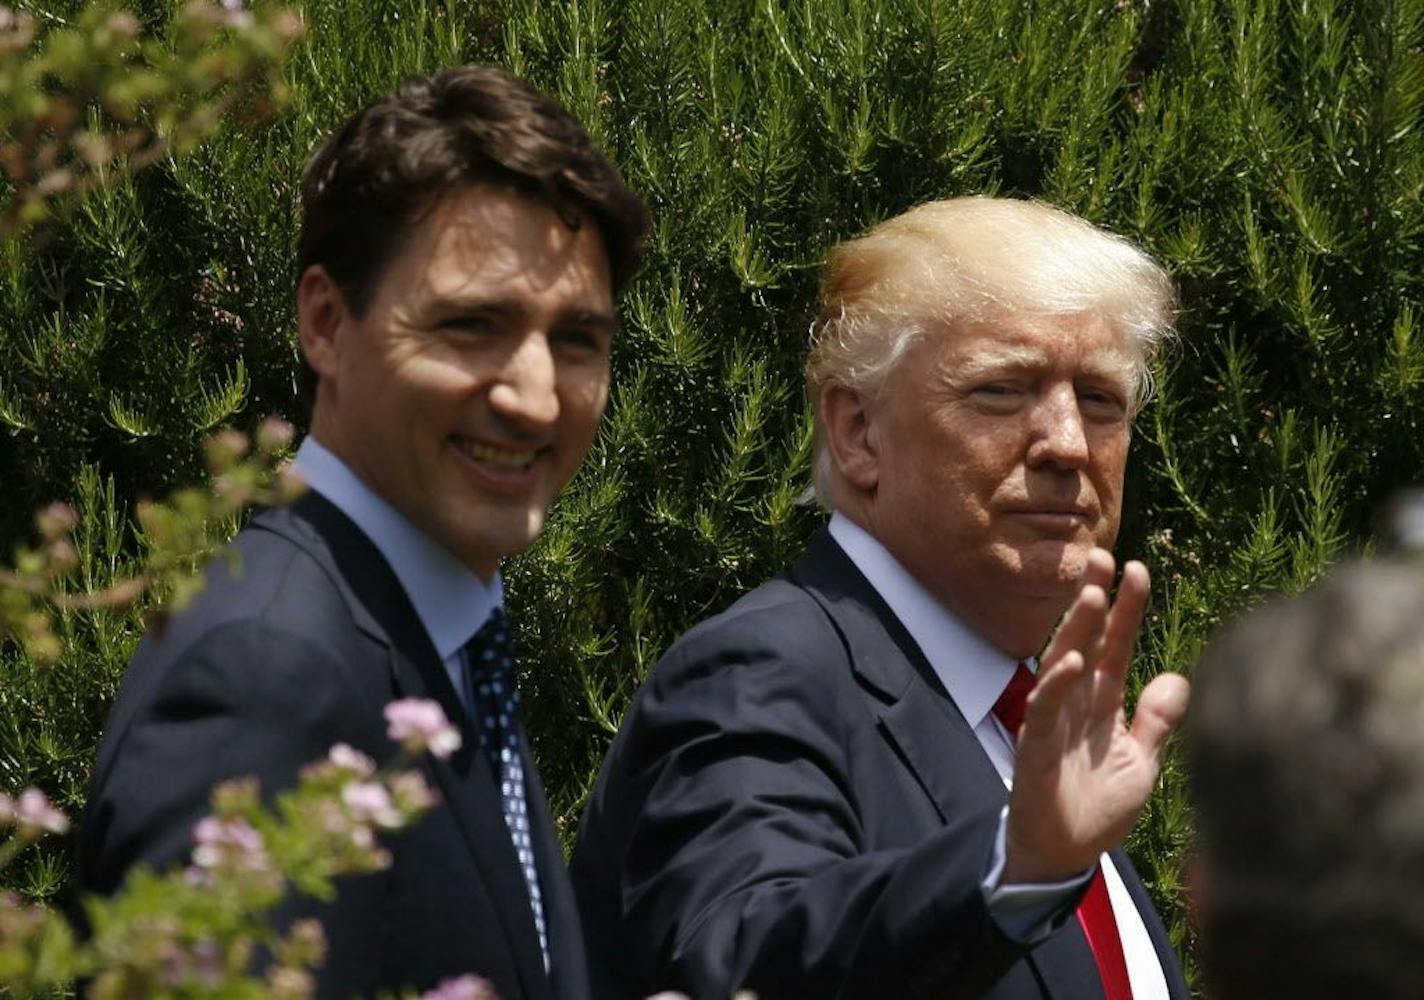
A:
{"x":490,"y":658}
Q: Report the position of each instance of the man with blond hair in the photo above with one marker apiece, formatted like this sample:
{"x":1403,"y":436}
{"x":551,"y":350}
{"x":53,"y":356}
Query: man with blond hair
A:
{"x":870,"y":777}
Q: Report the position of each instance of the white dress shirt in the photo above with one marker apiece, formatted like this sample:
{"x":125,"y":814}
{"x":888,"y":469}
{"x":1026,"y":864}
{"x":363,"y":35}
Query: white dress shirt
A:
{"x":975,"y":673}
{"x":450,"y":600}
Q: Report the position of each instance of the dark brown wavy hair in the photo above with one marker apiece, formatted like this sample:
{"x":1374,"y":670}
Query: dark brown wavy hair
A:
{"x":368,"y":185}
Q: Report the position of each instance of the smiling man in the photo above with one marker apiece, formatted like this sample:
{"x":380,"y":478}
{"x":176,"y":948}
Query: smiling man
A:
{"x":462,"y":243}
{"x":871,"y":777}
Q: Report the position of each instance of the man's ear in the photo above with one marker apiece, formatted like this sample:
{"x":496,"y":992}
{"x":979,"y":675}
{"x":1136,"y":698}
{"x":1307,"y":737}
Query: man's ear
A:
{"x":321,"y":318}
{"x":850,"y":435}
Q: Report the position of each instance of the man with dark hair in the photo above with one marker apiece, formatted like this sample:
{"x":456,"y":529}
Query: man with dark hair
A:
{"x":462,"y":244}
{"x":1306,"y":746}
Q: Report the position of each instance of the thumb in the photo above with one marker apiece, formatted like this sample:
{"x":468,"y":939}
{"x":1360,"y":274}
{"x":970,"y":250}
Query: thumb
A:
{"x":1160,"y":708}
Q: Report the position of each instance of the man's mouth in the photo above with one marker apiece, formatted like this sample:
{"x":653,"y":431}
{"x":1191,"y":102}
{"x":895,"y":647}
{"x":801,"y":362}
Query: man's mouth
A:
{"x":1054,"y":519}
{"x":505,"y":458}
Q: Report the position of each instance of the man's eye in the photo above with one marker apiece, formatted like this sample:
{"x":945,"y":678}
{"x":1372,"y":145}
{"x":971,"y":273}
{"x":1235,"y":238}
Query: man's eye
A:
{"x":580,"y":340}
{"x":468,"y":325}
{"x":1102,"y":402}
{"x":1099,"y":396}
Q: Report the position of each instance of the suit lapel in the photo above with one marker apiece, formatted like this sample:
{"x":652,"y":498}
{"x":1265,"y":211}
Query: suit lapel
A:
{"x":381,"y":609}
{"x":468,"y":786}
{"x":916,"y":714}
{"x":567,"y":971}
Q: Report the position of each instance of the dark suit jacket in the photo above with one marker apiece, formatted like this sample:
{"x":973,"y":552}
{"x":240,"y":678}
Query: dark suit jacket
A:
{"x":795,"y":805}
{"x":300,"y":647}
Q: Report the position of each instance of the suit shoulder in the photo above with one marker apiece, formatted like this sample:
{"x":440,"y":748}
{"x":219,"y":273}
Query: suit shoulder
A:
{"x":262,"y":579}
{"x":775,"y":652}
{"x":269,"y":618}
{"x":779,"y":620}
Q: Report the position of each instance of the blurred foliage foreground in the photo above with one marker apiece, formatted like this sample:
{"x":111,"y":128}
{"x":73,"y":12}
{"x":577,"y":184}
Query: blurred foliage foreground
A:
{"x":1269,"y":153}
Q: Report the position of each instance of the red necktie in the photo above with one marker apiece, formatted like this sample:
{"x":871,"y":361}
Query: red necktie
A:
{"x":1095,"y":913}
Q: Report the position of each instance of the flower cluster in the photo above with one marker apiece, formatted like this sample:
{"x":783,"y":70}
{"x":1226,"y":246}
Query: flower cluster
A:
{"x":32,"y":815}
{"x":177,"y":533}
{"x":91,"y":100}
{"x":420,"y":726}
{"x":199,"y":930}
{"x":461,"y":988}
{"x":228,"y":843}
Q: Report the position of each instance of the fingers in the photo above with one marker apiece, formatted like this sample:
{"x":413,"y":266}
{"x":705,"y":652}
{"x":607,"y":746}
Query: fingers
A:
{"x":1103,"y":634}
{"x":1160,"y":708}
{"x":1052,"y":690}
{"x":1124,"y":621}
{"x":1081,"y":626}
{"x":1098,"y":571}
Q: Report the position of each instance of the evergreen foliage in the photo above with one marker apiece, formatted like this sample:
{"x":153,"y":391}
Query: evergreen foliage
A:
{"x":1269,"y":153}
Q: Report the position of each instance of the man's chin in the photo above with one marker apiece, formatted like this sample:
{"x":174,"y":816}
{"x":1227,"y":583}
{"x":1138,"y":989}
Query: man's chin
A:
{"x":501,"y":533}
{"x":1052,"y":568}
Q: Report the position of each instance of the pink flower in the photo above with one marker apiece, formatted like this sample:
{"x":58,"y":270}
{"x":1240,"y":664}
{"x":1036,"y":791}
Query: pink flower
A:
{"x":35,"y":815}
{"x":57,"y":519}
{"x":462,"y":988}
{"x":235,"y":14}
{"x":274,"y":433}
{"x":419,"y":724}
{"x":199,"y":963}
{"x":289,"y":984}
{"x":348,"y":759}
{"x":371,"y":803}
{"x":227,"y":841}
{"x":411,"y":793}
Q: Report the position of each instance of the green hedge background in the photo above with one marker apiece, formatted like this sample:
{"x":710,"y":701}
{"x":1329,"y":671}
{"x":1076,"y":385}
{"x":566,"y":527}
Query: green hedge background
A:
{"x":1269,"y":153}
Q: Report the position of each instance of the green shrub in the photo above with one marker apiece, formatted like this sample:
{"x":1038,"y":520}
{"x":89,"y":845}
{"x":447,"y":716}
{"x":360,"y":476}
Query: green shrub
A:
{"x":1268,"y":152}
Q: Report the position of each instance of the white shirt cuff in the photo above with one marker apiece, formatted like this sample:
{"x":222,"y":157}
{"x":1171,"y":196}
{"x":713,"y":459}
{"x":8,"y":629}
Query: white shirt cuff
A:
{"x":1027,"y":911}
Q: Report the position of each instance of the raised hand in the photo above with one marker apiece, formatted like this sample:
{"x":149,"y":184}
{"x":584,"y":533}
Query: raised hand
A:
{"x":1081,"y":775}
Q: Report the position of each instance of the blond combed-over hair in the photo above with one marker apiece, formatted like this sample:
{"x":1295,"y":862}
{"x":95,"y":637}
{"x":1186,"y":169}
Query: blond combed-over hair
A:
{"x":971,"y":260}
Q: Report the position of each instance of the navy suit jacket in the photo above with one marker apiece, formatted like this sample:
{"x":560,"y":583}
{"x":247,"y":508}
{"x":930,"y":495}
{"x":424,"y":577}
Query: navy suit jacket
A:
{"x":794,"y":805}
{"x":297,"y":647}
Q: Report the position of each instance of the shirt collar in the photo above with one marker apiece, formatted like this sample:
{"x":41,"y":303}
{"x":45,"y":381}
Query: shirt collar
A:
{"x":972,"y":670}
{"x":451,"y":601}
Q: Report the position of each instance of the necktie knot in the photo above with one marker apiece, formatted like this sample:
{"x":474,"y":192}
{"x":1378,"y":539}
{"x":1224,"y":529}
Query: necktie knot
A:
{"x":1012,"y":705}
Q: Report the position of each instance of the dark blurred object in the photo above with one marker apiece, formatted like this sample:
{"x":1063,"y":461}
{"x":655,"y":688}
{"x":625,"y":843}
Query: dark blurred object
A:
{"x":1401,"y":523}
{"x":1306,"y":750}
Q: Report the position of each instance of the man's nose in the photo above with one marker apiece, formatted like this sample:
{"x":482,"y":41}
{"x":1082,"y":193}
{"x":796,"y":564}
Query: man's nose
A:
{"x":1057,"y":436}
{"x":525,"y":392}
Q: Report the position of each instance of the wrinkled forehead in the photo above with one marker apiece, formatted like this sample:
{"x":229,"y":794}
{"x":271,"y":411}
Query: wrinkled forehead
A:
{"x":1075,"y":345}
{"x":482,"y":237}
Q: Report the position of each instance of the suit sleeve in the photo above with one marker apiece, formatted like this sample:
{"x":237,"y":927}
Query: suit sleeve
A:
{"x":746,"y":862}
{"x":243,"y":699}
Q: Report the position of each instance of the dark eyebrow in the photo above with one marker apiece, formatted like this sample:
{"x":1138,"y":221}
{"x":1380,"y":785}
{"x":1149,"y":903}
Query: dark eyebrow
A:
{"x":592,"y":318}
{"x":595,"y":319}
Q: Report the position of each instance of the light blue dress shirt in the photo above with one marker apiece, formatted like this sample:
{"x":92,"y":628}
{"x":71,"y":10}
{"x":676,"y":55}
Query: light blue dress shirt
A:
{"x":451,"y":601}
